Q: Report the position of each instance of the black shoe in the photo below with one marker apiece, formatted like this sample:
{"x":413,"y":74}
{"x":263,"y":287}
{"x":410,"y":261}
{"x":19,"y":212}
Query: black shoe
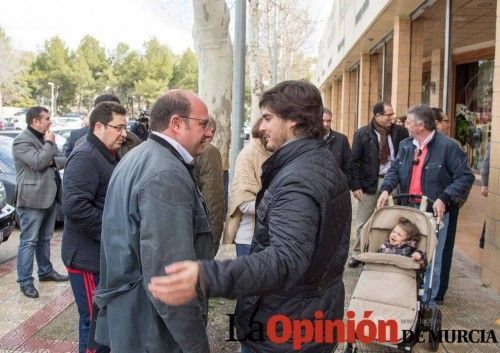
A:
{"x":353,"y":263}
{"x":29,"y":290}
{"x":439,"y":301}
{"x":53,"y":276}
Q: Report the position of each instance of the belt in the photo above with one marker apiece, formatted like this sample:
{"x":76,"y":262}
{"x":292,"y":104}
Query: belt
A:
{"x":381,"y":176}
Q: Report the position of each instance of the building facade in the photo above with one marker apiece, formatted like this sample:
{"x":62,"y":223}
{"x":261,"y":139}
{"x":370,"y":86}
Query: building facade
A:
{"x":445,"y":53}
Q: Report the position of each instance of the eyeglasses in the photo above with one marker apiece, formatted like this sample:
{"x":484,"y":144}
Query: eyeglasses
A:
{"x":418,"y":153}
{"x":203,"y":125}
{"x":117,"y":127}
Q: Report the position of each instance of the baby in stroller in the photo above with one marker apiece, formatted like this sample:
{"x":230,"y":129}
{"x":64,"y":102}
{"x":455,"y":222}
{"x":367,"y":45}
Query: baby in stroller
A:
{"x":403,"y":240}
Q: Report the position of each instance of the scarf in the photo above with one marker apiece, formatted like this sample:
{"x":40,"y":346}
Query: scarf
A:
{"x":383,"y":149}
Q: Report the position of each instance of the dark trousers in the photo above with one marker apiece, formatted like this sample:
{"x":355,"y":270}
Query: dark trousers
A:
{"x":448,"y":253}
{"x":83,"y":284}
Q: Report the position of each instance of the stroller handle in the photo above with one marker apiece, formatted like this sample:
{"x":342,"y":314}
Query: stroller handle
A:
{"x":411,"y":197}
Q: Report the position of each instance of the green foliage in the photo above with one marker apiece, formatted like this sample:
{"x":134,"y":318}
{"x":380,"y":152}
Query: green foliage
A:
{"x":185,"y":73}
{"x":138,"y":79}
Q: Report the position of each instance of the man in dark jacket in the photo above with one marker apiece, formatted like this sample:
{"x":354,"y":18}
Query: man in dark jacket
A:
{"x":432,"y":164}
{"x":300,"y":244}
{"x":373,"y":148}
{"x":86,"y":179}
{"x":338,"y":144}
{"x":154,"y":215}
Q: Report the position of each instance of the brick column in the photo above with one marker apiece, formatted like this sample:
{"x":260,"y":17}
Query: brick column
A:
{"x":352,"y":105}
{"x":417,"y":53}
{"x":401,"y":65}
{"x":344,"y":107}
{"x":327,"y":99}
{"x":334,"y":104}
{"x":375,"y":78}
{"x":338,"y":114}
{"x":364,"y":89}
{"x":436,"y":73}
{"x":491,"y":256}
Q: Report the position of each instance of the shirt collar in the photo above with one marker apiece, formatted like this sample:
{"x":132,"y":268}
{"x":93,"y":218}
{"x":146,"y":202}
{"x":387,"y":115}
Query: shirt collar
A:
{"x":426,"y":141}
{"x":178,"y":147}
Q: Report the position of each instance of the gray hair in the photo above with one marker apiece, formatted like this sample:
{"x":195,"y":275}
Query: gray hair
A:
{"x":422,"y":113}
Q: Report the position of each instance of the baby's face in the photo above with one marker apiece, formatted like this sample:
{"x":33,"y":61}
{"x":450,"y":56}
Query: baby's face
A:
{"x":398,"y":236}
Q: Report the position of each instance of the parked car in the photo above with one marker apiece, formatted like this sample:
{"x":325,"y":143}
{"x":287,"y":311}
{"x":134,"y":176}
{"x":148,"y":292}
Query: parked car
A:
{"x":7,"y":216}
{"x":6,"y":124}
{"x":8,"y":170}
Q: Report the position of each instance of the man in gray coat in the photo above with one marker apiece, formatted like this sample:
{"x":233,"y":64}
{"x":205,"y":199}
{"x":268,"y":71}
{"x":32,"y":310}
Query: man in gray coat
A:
{"x":37,"y":161}
{"x":154,"y":215}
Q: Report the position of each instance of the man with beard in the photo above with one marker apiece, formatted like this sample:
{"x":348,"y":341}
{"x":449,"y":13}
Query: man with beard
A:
{"x":86,"y":179}
{"x":155,"y":215}
{"x":296,"y":261}
{"x":374,"y":147}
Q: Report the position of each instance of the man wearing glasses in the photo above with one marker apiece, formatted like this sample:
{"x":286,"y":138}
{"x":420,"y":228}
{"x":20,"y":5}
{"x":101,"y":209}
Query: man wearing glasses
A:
{"x":86,"y":179}
{"x":434,"y":165}
{"x":155,"y":215}
{"x":374,"y":147}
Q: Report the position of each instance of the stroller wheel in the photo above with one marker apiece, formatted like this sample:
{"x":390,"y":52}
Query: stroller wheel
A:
{"x":405,"y":348}
{"x":349,"y":348}
{"x":435,"y":329}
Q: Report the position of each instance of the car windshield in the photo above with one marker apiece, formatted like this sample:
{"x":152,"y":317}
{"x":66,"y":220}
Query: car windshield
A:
{"x":6,"y":149}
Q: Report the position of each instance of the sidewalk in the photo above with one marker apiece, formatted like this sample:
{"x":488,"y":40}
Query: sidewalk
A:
{"x":49,"y":324}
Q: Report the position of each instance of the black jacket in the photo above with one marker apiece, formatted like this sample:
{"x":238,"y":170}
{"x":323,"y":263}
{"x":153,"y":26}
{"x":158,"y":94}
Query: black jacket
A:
{"x":86,"y":179}
{"x":446,"y":173}
{"x":365,"y":162}
{"x":74,"y":136}
{"x":300,"y":244}
{"x":339,"y":146}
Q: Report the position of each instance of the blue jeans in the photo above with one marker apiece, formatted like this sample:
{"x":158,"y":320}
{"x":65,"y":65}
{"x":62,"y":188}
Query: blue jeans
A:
{"x":37,"y":227}
{"x":243,"y":249}
{"x":438,"y":264}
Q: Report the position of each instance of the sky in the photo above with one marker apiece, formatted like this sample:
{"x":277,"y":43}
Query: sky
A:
{"x":29,"y":23}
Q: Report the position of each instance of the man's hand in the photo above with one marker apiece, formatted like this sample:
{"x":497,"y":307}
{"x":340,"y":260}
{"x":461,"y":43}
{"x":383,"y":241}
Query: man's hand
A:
{"x":439,"y":209}
{"x":50,"y":136}
{"x":358,"y":194}
{"x":179,"y":286}
{"x":382,"y":199}
{"x":484,"y":191}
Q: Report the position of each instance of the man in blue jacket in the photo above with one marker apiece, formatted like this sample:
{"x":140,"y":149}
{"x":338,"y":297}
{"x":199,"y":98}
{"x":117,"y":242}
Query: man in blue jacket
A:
{"x":432,"y":164}
{"x":86,"y":181}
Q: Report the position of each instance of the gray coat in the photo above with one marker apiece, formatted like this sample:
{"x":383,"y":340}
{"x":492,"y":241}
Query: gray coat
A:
{"x":36,"y":164}
{"x":153,"y":216}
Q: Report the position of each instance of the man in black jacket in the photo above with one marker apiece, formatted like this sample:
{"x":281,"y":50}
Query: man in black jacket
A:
{"x":300,"y":244}
{"x":338,"y":144}
{"x":86,"y":179}
{"x":374,"y":147}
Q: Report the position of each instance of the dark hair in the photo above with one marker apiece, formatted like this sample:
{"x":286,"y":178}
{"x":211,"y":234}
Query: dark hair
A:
{"x":379,"y":108}
{"x":299,"y":101}
{"x":424,"y":114}
{"x":34,"y":112}
{"x":438,"y":114}
{"x":412,"y":232}
{"x":401,"y":118}
{"x":103,"y":113}
{"x":327,"y":111}
{"x":172,"y":102}
{"x":106,"y":98}
{"x":256,"y":134}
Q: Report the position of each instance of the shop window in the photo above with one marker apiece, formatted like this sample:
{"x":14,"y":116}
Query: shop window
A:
{"x":388,"y":71}
{"x":473,"y":99}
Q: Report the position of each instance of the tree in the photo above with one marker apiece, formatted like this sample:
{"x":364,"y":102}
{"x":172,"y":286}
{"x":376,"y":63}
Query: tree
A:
{"x":9,"y":67}
{"x":53,"y":65}
{"x":214,"y":51}
{"x":185,"y":73}
{"x":254,"y":64}
{"x":126,"y":69}
{"x":90,"y":72}
{"x":155,"y":71}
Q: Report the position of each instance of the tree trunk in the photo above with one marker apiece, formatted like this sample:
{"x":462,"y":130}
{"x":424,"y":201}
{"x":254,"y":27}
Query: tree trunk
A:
{"x":215,"y":66}
{"x":254,"y":62}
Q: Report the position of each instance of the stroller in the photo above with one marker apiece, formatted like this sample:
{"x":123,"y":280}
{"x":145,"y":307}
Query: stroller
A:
{"x":391,"y":286}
